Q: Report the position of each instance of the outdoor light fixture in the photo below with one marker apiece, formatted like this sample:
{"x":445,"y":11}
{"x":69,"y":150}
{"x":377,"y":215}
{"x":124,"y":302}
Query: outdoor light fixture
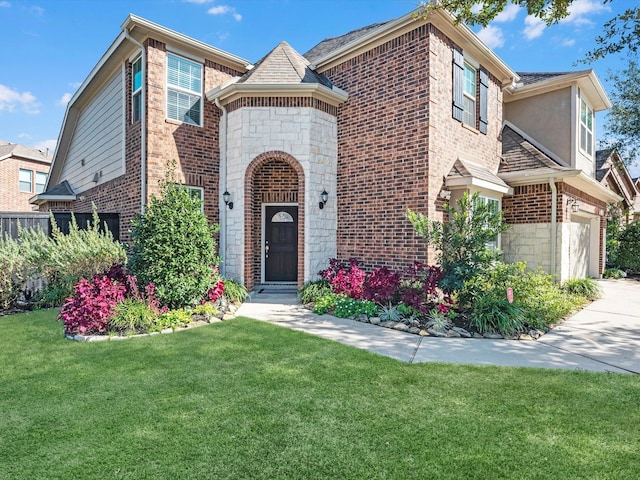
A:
{"x":226,"y":196}
{"x":324,"y":196}
{"x":445,"y":194}
{"x":575,"y":206}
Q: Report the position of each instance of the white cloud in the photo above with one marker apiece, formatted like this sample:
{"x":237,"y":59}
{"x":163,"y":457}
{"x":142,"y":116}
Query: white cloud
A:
{"x":10,"y":99}
{"x":568,"y":42}
{"x":37,"y":10}
{"x":533,"y":27}
{"x":5,"y":4}
{"x":492,"y":36}
{"x":43,"y":145}
{"x":224,"y":10}
{"x":199,"y":2}
{"x":65,"y":99}
{"x":25,"y":135}
{"x":579,"y":10}
{"x":508,"y":14}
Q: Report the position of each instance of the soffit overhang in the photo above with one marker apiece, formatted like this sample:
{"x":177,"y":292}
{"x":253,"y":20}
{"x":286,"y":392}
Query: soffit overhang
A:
{"x":587,"y":81}
{"x":460,"y":34}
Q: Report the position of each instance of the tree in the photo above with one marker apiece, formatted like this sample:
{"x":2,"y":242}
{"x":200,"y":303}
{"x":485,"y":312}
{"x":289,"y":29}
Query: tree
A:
{"x":462,"y":243}
{"x":620,"y":33}
{"x":623,"y":120}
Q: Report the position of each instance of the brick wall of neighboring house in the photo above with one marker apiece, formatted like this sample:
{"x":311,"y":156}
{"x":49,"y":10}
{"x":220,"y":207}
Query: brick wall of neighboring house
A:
{"x":11,"y":198}
{"x":195,"y":150}
{"x":397,"y":140}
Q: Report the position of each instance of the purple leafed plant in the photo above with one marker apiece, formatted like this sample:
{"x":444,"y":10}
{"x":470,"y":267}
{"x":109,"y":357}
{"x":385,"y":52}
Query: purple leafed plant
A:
{"x":381,"y":285}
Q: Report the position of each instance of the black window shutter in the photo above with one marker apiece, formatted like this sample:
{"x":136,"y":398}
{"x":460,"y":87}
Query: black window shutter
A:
{"x":458,"y":84}
{"x":484,"y":94}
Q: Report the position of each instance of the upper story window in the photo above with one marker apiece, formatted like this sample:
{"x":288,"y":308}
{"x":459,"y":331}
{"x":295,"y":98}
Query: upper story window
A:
{"x":470,"y":93}
{"x":586,"y":127}
{"x":25,"y":180}
{"x":41,"y":181}
{"x":184,"y":90}
{"x":136,"y":90}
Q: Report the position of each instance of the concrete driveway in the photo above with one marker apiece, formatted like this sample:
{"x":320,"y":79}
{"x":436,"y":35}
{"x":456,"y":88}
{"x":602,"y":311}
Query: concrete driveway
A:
{"x":603,"y":337}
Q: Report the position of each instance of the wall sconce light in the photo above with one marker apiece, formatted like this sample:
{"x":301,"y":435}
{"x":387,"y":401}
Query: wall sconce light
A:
{"x":82,"y":198}
{"x":226,"y":196}
{"x":575,"y":206}
{"x":324,"y":196}
{"x":96,"y":177}
{"x":445,"y":194}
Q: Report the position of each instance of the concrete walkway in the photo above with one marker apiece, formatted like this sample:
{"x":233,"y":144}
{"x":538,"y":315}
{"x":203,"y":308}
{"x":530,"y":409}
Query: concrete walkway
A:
{"x":603,"y":337}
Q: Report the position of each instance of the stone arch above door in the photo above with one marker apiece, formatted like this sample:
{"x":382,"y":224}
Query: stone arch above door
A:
{"x":273,"y":178}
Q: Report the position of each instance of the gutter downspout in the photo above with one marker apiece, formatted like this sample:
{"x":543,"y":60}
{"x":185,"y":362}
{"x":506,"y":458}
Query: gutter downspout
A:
{"x":223,"y":181}
{"x":554,"y":224}
{"x":143,"y":123}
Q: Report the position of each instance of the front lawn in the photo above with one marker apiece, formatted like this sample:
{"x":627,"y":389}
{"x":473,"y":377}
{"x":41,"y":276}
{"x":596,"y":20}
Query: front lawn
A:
{"x":245,"y":399}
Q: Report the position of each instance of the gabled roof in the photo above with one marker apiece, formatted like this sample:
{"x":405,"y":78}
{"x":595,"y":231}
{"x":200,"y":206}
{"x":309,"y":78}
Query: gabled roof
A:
{"x":526,"y":163}
{"x":61,"y":193}
{"x":465,"y":174}
{"x":336,"y":50}
{"x":612,"y":172}
{"x":283,"y":65}
{"x":328,"y":45}
{"x":536,"y":83}
{"x":282,"y":72}
{"x":8,"y":150}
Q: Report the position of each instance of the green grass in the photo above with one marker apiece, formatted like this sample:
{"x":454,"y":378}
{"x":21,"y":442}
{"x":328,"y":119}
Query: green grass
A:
{"x":244,"y":399}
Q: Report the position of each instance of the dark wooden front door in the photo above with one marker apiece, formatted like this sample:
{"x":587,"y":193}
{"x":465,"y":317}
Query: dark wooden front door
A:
{"x":281,"y":244}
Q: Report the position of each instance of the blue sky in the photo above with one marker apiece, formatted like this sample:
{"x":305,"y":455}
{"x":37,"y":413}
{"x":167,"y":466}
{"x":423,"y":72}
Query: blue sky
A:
{"x":47,"y":47}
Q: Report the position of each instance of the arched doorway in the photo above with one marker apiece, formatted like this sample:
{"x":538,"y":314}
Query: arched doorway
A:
{"x":274,"y":228}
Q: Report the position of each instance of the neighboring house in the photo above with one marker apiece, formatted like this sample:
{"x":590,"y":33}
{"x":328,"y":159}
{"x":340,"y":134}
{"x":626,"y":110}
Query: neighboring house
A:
{"x":636,"y":212}
{"x":23,"y":173}
{"x":613,"y":174}
{"x":301,"y":158}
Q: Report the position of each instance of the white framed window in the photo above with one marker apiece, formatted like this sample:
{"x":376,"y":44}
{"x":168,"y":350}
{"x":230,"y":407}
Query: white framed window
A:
{"x":136,"y":90}
{"x":184,"y":90}
{"x":469,"y":95}
{"x":586,"y":127}
{"x":25,"y":180}
{"x":197,"y":192}
{"x":494,"y":206}
{"x":41,"y":181}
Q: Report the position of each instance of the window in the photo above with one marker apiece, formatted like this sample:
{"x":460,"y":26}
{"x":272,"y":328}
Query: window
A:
{"x":197,"y":192}
{"x":25,"y":180}
{"x":470,"y":93}
{"x":184,"y":90}
{"x":586,"y":127}
{"x":136,"y":90}
{"x":494,"y":206}
{"x":41,"y":181}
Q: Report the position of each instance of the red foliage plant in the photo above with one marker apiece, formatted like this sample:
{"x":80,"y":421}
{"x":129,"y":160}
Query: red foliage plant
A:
{"x":381,"y":285}
{"x":215,"y":292}
{"x":91,"y":306}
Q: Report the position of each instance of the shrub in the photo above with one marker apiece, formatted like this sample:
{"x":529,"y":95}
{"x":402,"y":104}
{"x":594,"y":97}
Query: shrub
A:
{"x":542,"y":301}
{"x":381,"y":285}
{"x":438,"y":320}
{"x":583,"y":287}
{"x":91,"y":306}
{"x":390,"y":313}
{"x":132,"y":316}
{"x":419,"y":289}
{"x":174,"y":247}
{"x":629,"y":248}
{"x":347,"y":307}
{"x":310,"y":292}
{"x":491,"y":313}
{"x":64,"y":259}
{"x":13,"y":271}
{"x":172,"y":319}
{"x":462,"y":241}
{"x":234,"y":292}
{"x":614,"y":273}
{"x":347,"y":279}
{"x":325,"y":303}
{"x":207,"y":310}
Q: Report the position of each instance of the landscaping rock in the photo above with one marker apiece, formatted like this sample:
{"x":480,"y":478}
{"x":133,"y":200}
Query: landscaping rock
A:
{"x":401,"y":326}
{"x":462,"y":332}
{"x":374,"y":320}
{"x":414,"y":330}
{"x":453,"y":333}
{"x":228,"y":316}
{"x":525,"y":336}
{"x":477,"y":335}
{"x":423,"y":333}
{"x":436,"y":333}
{"x":493,"y":335}
{"x":388,"y":324}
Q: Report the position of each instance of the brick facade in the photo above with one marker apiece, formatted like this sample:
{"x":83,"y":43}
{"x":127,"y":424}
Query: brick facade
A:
{"x":12,"y":199}
{"x":397,"y":141}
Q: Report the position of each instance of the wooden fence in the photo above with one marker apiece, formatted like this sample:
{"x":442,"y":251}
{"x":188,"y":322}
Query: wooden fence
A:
{"x":9,"y":222}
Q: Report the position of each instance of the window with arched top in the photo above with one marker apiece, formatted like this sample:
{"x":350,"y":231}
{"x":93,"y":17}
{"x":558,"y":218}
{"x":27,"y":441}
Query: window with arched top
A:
{"x":282,"y":217}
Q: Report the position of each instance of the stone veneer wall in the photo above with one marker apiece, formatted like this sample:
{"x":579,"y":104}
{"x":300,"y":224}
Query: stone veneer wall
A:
{"x":307,"y":137}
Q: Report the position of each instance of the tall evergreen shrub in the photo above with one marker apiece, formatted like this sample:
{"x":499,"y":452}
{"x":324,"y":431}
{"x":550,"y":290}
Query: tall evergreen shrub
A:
{"x":174,"y":247}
